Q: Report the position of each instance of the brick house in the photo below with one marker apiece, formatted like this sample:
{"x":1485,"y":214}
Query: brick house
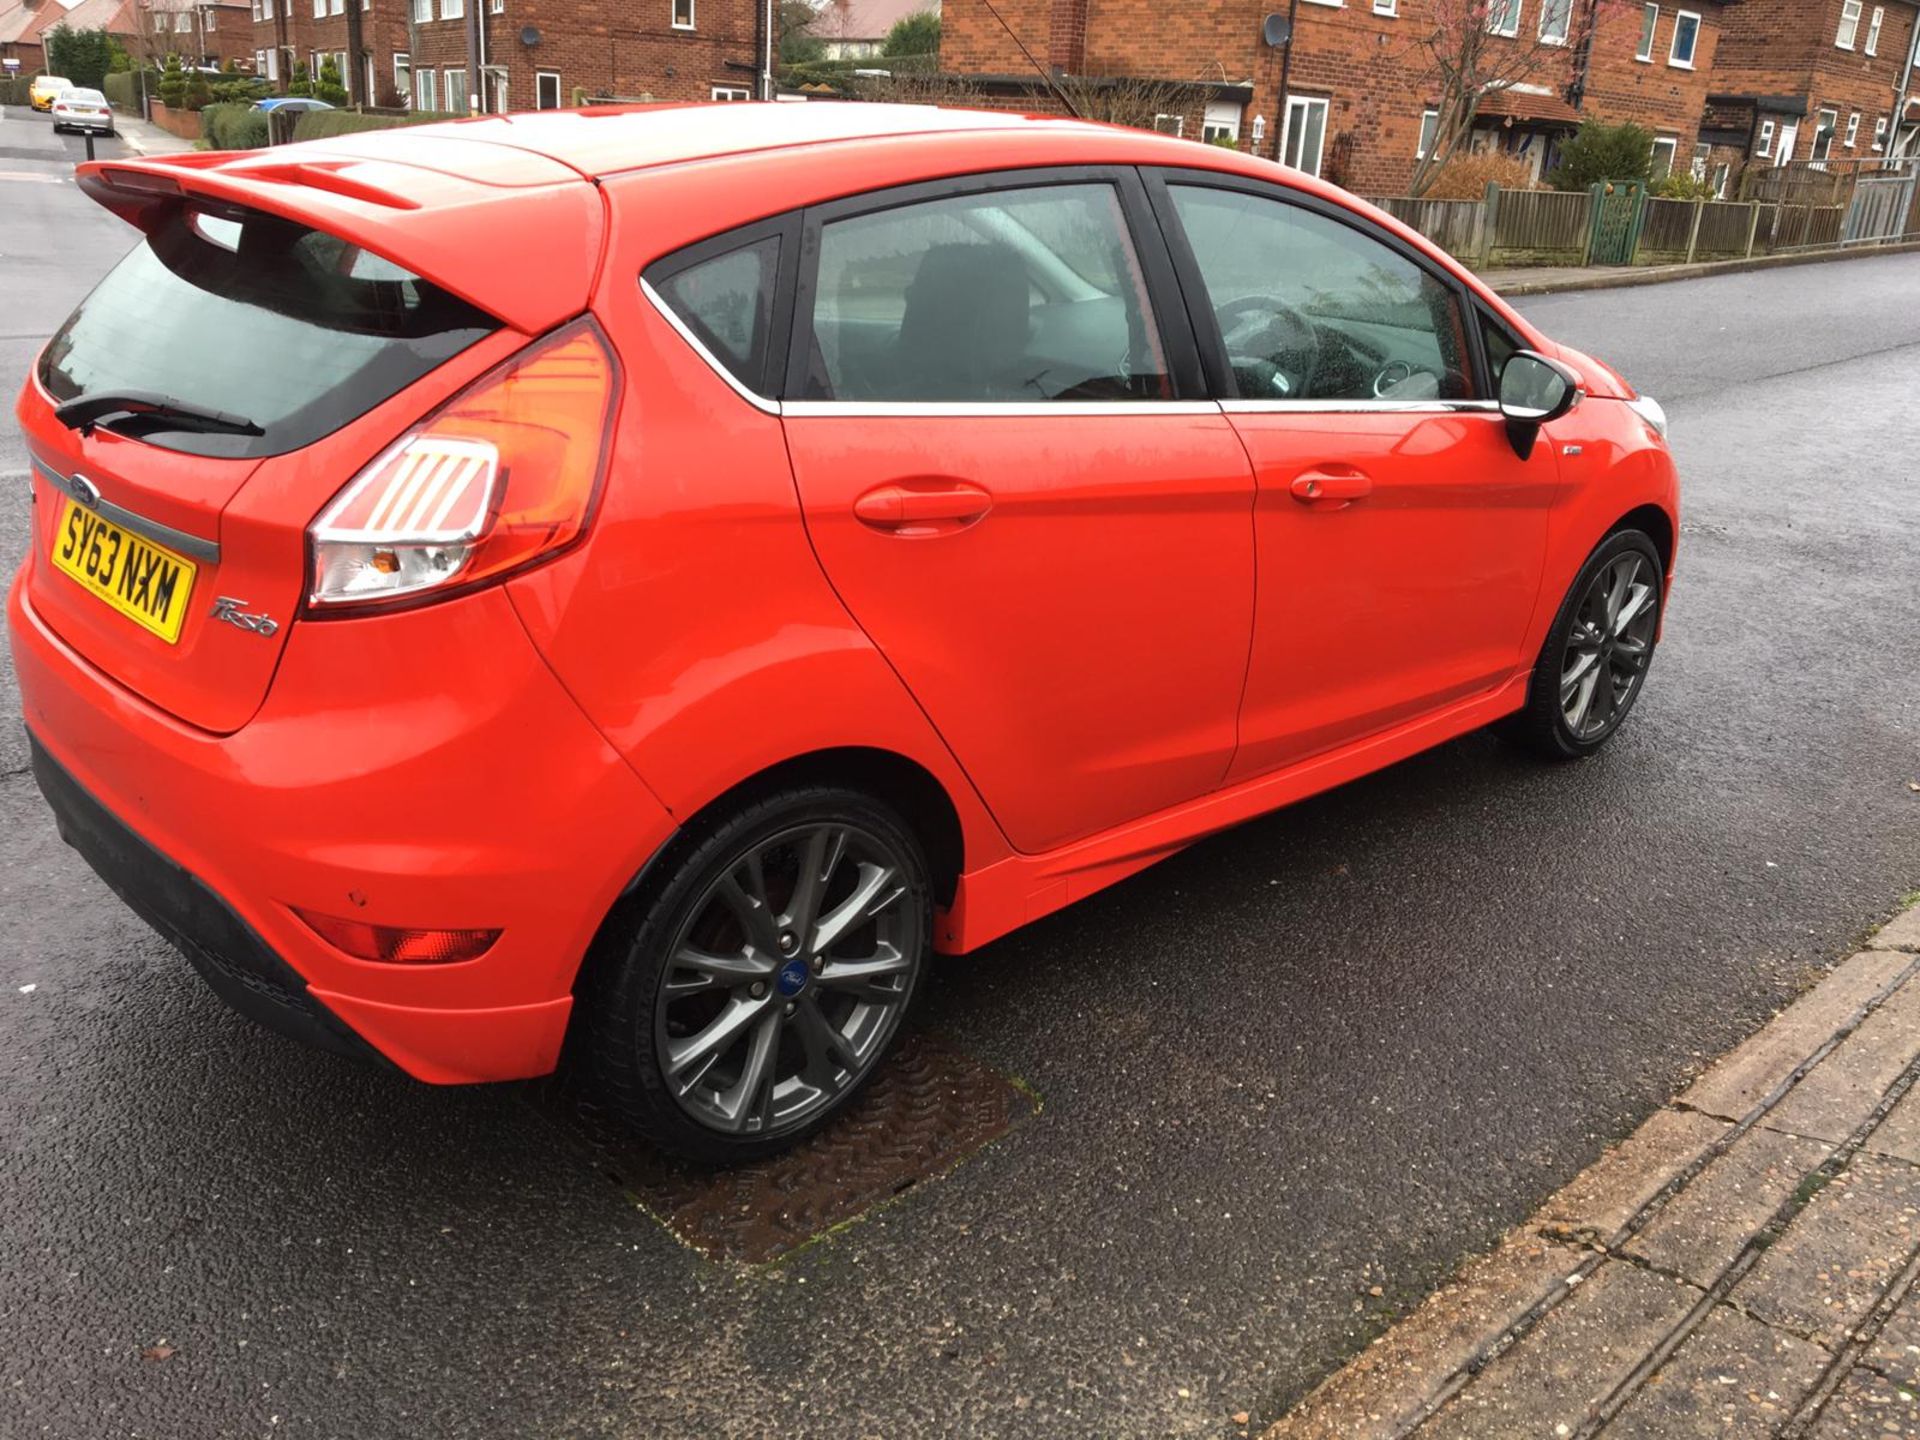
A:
{"x":1358,"y":109}
{"x":1818,"y":80}
{"x":538,"y":54}
{"x":23,"y":27}
{"x":305,"y":32}
{"x":200,"y":32}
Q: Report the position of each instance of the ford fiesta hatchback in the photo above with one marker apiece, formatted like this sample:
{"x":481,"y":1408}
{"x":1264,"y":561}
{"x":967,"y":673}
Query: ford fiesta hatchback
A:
{"x":644,"y":581}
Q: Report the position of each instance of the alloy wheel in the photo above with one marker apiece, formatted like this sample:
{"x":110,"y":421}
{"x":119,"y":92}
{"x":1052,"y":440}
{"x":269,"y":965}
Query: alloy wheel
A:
{"x":1608,"y":646}
{"x":788,"y":978}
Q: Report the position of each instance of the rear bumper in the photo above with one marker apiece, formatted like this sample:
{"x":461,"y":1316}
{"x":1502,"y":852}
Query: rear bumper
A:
{"x":230,"y":957}
{"x":422,"y":770}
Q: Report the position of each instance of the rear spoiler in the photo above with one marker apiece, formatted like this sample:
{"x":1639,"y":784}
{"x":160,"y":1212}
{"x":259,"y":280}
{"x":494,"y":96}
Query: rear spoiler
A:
{"x":515,"y":234}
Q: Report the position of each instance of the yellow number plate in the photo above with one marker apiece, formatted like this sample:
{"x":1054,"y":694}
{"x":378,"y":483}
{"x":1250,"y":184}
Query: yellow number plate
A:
{"x":145,"y":582}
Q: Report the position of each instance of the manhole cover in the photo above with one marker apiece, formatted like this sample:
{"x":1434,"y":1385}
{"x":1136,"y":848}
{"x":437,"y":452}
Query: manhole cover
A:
{"x":927,"y":1109}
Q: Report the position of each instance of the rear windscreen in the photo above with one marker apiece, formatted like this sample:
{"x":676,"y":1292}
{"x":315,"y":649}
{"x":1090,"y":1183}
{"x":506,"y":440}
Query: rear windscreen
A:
{"x":292,"y":329}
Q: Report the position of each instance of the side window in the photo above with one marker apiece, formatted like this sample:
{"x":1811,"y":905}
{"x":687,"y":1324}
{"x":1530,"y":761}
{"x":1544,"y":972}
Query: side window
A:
{"x":1019,"y":295}
{"x":727,"y":302}
{"x":1501,"y":347}
{"x":1311,"y":309}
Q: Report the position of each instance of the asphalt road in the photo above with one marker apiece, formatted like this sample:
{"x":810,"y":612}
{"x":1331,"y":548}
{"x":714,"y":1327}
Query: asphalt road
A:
{"x":1337,"y":1049}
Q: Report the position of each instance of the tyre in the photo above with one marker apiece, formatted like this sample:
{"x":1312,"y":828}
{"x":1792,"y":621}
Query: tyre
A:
{"x":746,"y":995}
{"x":1595,"y":657}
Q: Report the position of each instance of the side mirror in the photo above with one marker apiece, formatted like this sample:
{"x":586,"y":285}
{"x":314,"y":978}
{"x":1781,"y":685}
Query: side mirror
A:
{"x":1533,"y":391}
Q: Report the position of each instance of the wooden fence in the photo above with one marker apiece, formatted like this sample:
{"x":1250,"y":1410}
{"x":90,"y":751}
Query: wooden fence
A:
{"x":1456,"y":226}
{"x":1553,"y":227}
{"x":1539,"y":227}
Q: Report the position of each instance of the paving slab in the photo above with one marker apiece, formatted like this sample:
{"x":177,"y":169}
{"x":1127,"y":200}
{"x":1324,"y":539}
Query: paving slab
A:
{"x":1869,"y":1405}
{"x":1700,"y":1230}
{"x":1822,"y":1277}
{"x":1571,"y":1361}
{"x":1842,"y":1091}
{"x":1379,"y":1393}
{"x":1899,"y":1134}
{"x":1900,"y":933}
{"x":1731,"y":1377}
{"x":1603,"y":1197}
{"x":1895,"y":1352}
{"x":1749,"y":1072}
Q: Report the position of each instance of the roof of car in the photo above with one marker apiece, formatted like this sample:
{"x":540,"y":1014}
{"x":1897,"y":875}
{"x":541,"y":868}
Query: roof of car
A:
{"x":604,"y":140}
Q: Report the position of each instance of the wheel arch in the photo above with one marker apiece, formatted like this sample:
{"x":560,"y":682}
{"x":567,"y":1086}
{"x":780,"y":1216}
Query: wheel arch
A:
{"x":887,"y":775}
{"x":1658,"y":526}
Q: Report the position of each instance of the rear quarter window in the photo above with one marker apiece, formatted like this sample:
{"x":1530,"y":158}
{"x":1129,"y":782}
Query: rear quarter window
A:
{"x":294,"y":329}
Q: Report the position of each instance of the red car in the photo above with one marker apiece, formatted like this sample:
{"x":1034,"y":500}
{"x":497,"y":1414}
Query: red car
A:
{"x":644,"y":580}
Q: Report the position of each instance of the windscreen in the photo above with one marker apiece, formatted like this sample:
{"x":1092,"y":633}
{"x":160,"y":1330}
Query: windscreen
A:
{"x":289,"y":328}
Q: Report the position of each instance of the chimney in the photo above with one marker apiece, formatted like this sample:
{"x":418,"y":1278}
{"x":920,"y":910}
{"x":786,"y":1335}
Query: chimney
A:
{"x":1067,"y":36}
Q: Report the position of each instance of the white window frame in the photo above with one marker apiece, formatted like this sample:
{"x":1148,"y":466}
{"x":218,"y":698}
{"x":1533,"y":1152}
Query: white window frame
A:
{"x":336,"y":7}
{"x":1305,"y":104}
{"x":1701,"y":155}
{"x":540,"y":78}
{"x":1649,"y":28}
{"x":453,"y":79}
{"x":403,"y":65}
{"x":1853,"y":129}
{"x":422,"y":12}
{"x":212,"y":15}
{"x":1763,"y":142}
{"x":1165,"y":124}
{"x":729,"y":93}
{"x":496,"y":7}
{"x":1849,"y":30}
{"x":426,"y":87}
{"x":1386,"y":7}
{"x":1826,"y":119}
{"x":1503,"y":17}
{"x":1330,"y":4}
{"x":1424,"y":141}
{"x":1221,"y":117}
{"x":1874,"y":21}
{"x":1547,"y":13}
{"x":1693,"y":50}
{"x":687,"y":5}
{"x":1879,"y":132}
{"x":453,"y":9}
{"x":1722,"y":173}
{"x":1672,"y":146}
{"x":319,"y":9}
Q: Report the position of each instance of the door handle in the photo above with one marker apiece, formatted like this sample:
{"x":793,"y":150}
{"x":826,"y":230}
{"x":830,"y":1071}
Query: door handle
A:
{"x":1329,"y":490}
{"x":922,"y":507}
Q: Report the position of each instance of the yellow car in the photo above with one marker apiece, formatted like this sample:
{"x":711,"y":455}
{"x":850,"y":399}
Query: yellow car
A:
{"x":46,"y":89}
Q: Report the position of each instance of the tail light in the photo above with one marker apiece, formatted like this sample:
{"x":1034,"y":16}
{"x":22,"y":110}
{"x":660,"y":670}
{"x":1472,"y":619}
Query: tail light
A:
{"x":503,"y":476}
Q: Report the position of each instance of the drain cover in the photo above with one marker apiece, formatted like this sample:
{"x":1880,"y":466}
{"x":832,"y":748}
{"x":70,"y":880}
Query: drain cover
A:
{"x":929,"y":1107}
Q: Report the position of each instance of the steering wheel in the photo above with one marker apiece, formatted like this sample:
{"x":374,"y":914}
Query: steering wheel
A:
{"x":1274,"y":349}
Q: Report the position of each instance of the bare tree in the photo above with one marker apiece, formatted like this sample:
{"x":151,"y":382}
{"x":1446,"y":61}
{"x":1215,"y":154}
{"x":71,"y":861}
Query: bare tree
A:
{"x":1468,"y":50}
{"x":1126,"y":99}
{"x":916,"y":87}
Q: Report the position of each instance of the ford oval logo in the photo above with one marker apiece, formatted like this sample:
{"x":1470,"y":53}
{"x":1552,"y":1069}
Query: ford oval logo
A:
{"x":792,"y":978}
{"x":85,"y":491}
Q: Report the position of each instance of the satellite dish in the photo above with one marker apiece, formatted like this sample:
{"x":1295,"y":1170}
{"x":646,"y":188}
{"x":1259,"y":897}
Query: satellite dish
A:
{"x":1274,"y":30}
{"x":529,"y":35}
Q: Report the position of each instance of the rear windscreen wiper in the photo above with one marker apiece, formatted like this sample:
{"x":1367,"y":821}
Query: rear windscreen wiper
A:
{"x":83,"y":412}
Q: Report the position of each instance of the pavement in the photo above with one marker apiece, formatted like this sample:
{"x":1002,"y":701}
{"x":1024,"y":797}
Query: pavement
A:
{"x":1555,"y":279}
{"x":1744,"y":1264}
{"x":1287,"y":1080}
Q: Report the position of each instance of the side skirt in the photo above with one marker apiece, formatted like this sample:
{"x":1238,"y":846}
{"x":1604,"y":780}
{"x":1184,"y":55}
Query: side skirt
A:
{"x":1002,"y":897}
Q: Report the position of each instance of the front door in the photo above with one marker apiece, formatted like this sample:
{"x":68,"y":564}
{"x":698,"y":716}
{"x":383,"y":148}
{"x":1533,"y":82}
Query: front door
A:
{"x":1399,"y":539}
{"x":1789,"y":132}
{"x":1003,"y":483}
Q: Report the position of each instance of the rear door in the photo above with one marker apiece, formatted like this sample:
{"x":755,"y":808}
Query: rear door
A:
{"x":1400,"y":539}
{"x":1012,"y":483}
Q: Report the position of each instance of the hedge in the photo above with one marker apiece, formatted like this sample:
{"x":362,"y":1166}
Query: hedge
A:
{"x":122,"y":89}
{"x":233,"y":127}
{"x":320,"y":124}
{"x":14,"y":92}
